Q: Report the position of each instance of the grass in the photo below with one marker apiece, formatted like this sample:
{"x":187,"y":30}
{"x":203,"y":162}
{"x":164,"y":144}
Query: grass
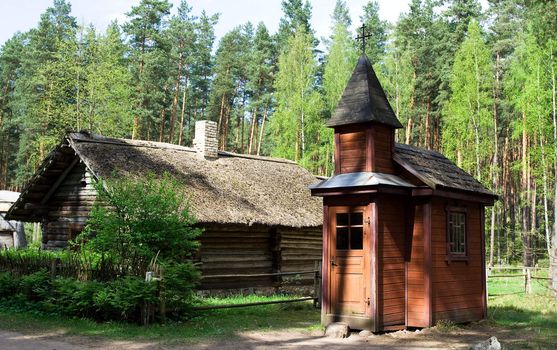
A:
{"x":206,"y":325}
{"x":534,"y":315}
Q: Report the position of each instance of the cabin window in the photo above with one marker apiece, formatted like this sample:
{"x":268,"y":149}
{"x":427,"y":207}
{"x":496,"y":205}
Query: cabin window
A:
{"x":350,"y":231}
{"x":456,"y":233}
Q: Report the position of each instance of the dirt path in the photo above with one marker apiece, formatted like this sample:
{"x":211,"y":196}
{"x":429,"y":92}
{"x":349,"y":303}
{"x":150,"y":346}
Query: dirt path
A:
{"x":460,"y":338}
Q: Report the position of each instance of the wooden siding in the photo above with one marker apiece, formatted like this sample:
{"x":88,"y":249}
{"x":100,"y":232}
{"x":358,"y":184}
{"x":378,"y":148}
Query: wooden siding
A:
{"x":383,"y":137}
{"x":391,"y":273}
{"x":352,"y":151}
{"x":457,"y":285}
{"x":240,"y":249}
{"x":416,"y":301}
{"x":364,"y":148}
{"x":69,"y":208}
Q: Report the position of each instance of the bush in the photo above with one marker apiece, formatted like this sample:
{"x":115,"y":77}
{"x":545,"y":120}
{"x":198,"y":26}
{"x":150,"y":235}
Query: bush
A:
{"x":122,"y":299}
{"x":177,"y":287}
{"x":36,"y":286}
{"x":138,"y":220}
{"x":8,"y":285}
{"x":74,"y":298}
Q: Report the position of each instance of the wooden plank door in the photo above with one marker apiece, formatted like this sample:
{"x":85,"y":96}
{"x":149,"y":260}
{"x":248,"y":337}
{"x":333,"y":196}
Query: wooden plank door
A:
{"x":349,"y":262}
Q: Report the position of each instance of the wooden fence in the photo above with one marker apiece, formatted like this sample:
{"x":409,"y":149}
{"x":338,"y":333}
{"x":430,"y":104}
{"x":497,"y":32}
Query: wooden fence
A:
{"x":529,"y":274}
{"x":316,"y":295}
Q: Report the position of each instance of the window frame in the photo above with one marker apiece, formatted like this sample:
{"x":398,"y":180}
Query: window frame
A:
{"x":349,"y":227}
{"x":453,"y":256}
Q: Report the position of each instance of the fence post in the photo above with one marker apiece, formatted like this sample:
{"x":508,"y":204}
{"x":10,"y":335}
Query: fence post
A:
{"x":53,"y":265}
{"x":528,"y":280}
{"x":317,"y":285}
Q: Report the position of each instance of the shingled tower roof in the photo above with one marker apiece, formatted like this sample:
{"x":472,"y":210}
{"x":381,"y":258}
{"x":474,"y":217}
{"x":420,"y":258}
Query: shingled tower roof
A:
{"x":363,"y":100}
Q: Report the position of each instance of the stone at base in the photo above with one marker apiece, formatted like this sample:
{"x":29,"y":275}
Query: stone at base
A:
{"x":490,"y":344}
{"x":365,"y":334}
{"x":337,"y":330}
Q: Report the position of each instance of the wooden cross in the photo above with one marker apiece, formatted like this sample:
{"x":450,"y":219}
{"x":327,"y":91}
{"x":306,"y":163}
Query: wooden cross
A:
{"x":363,"y":38}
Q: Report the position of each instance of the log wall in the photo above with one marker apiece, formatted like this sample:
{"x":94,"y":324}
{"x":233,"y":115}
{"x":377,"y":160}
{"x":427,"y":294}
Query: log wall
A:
{"x":69,"y":208}
{"x":457,"y":286}
{"x":239,"y":249}
{"x":391,"y":272}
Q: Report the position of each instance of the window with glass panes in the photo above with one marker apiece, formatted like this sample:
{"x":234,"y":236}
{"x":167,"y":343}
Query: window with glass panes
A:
{"x":350,"y":231}
{"x":456,"y":232}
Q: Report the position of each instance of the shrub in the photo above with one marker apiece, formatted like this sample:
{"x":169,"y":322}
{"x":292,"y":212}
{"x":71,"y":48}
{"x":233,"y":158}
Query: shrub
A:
{"x":73,"y":297}
{"x":137,"y":220}
{"x":36,"y":286}
{"x":8,"y":285}
{"x":123,"y":298}
{"x":177,"y":287}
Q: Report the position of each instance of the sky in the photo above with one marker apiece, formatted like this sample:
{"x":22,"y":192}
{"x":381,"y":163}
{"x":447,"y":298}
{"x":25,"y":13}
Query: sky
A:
{"x":22,"y":15}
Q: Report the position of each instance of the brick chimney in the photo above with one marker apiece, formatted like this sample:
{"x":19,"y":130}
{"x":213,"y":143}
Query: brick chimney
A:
{"x":205,"y":141}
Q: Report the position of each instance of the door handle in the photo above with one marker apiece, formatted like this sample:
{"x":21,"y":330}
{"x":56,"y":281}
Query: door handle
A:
{"x":333,"y":263}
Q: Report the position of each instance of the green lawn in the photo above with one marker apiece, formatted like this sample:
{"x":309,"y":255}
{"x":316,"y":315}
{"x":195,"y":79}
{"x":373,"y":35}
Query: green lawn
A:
{"x":214,"y":324}
{"x":533,"y":315}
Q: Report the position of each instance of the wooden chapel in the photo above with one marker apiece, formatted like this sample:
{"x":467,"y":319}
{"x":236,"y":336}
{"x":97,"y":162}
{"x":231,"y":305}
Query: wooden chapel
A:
{"x":403,"y":227}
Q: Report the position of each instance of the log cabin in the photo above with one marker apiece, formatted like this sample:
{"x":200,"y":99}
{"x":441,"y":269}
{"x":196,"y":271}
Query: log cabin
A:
{"x":403,"y":227}
{"x":256,"y":212}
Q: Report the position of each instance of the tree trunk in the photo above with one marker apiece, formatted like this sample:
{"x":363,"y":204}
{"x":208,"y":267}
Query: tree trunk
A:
{"x":265,"y":111}
{"x":220,"y":126}
{"x":252,"y":130}
{"x":163,"y":115}
{"x":494,"y":170}
{"x":183,"y":111}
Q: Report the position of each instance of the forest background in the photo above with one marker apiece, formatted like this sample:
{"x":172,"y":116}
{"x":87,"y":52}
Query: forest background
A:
{"x":477,"y":85}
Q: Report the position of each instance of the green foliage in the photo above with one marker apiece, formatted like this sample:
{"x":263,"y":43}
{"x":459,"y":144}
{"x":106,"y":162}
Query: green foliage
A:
{"x":74,"y":298}
{"x":134,"y":221}
{"x":375,"y":45}
{"x":297,"y":129}
{"x":468,"y":119}
{"x":123,"y":298}
{"x":36,"y":286}
{"x":178,"y":287}
{"x":8,"y":284}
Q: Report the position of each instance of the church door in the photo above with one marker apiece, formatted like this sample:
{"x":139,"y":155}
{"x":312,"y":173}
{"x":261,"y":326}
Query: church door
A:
{"x":349,"y":261}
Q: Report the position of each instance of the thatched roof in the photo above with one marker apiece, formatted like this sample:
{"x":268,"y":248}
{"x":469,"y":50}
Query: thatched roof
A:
{"x":234,"y":188}
{"x":436,"y":170}
{"x":363,"y":100}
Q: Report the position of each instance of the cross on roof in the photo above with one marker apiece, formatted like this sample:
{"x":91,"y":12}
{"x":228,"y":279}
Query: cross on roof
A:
{"x":363,"y":38}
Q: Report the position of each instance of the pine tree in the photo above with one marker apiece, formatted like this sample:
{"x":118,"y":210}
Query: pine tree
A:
{"x":107,"y":108}
{"x":38,"y":103}
{"x":149,"y":53}
{"x":375,"y":46}
{"x":202,"y":68}
{"x":296,"y":13}
{"x":341,"y":15}
{"x":182,"y":38}
{"x":10,"y":62}
{"x":468,"y":120}
{"x":339,"y":63}
{"x":262,"y":67}
{"x":296,"y":125}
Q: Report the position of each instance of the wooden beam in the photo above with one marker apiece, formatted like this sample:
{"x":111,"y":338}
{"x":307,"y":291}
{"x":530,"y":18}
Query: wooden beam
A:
{"x":375,"y":262}
{"x":482,"y":234}
{"x":464,"y":196}
{"x":60,"y":180}
{"x":337,"y":153}
{"x":325,"y":266}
